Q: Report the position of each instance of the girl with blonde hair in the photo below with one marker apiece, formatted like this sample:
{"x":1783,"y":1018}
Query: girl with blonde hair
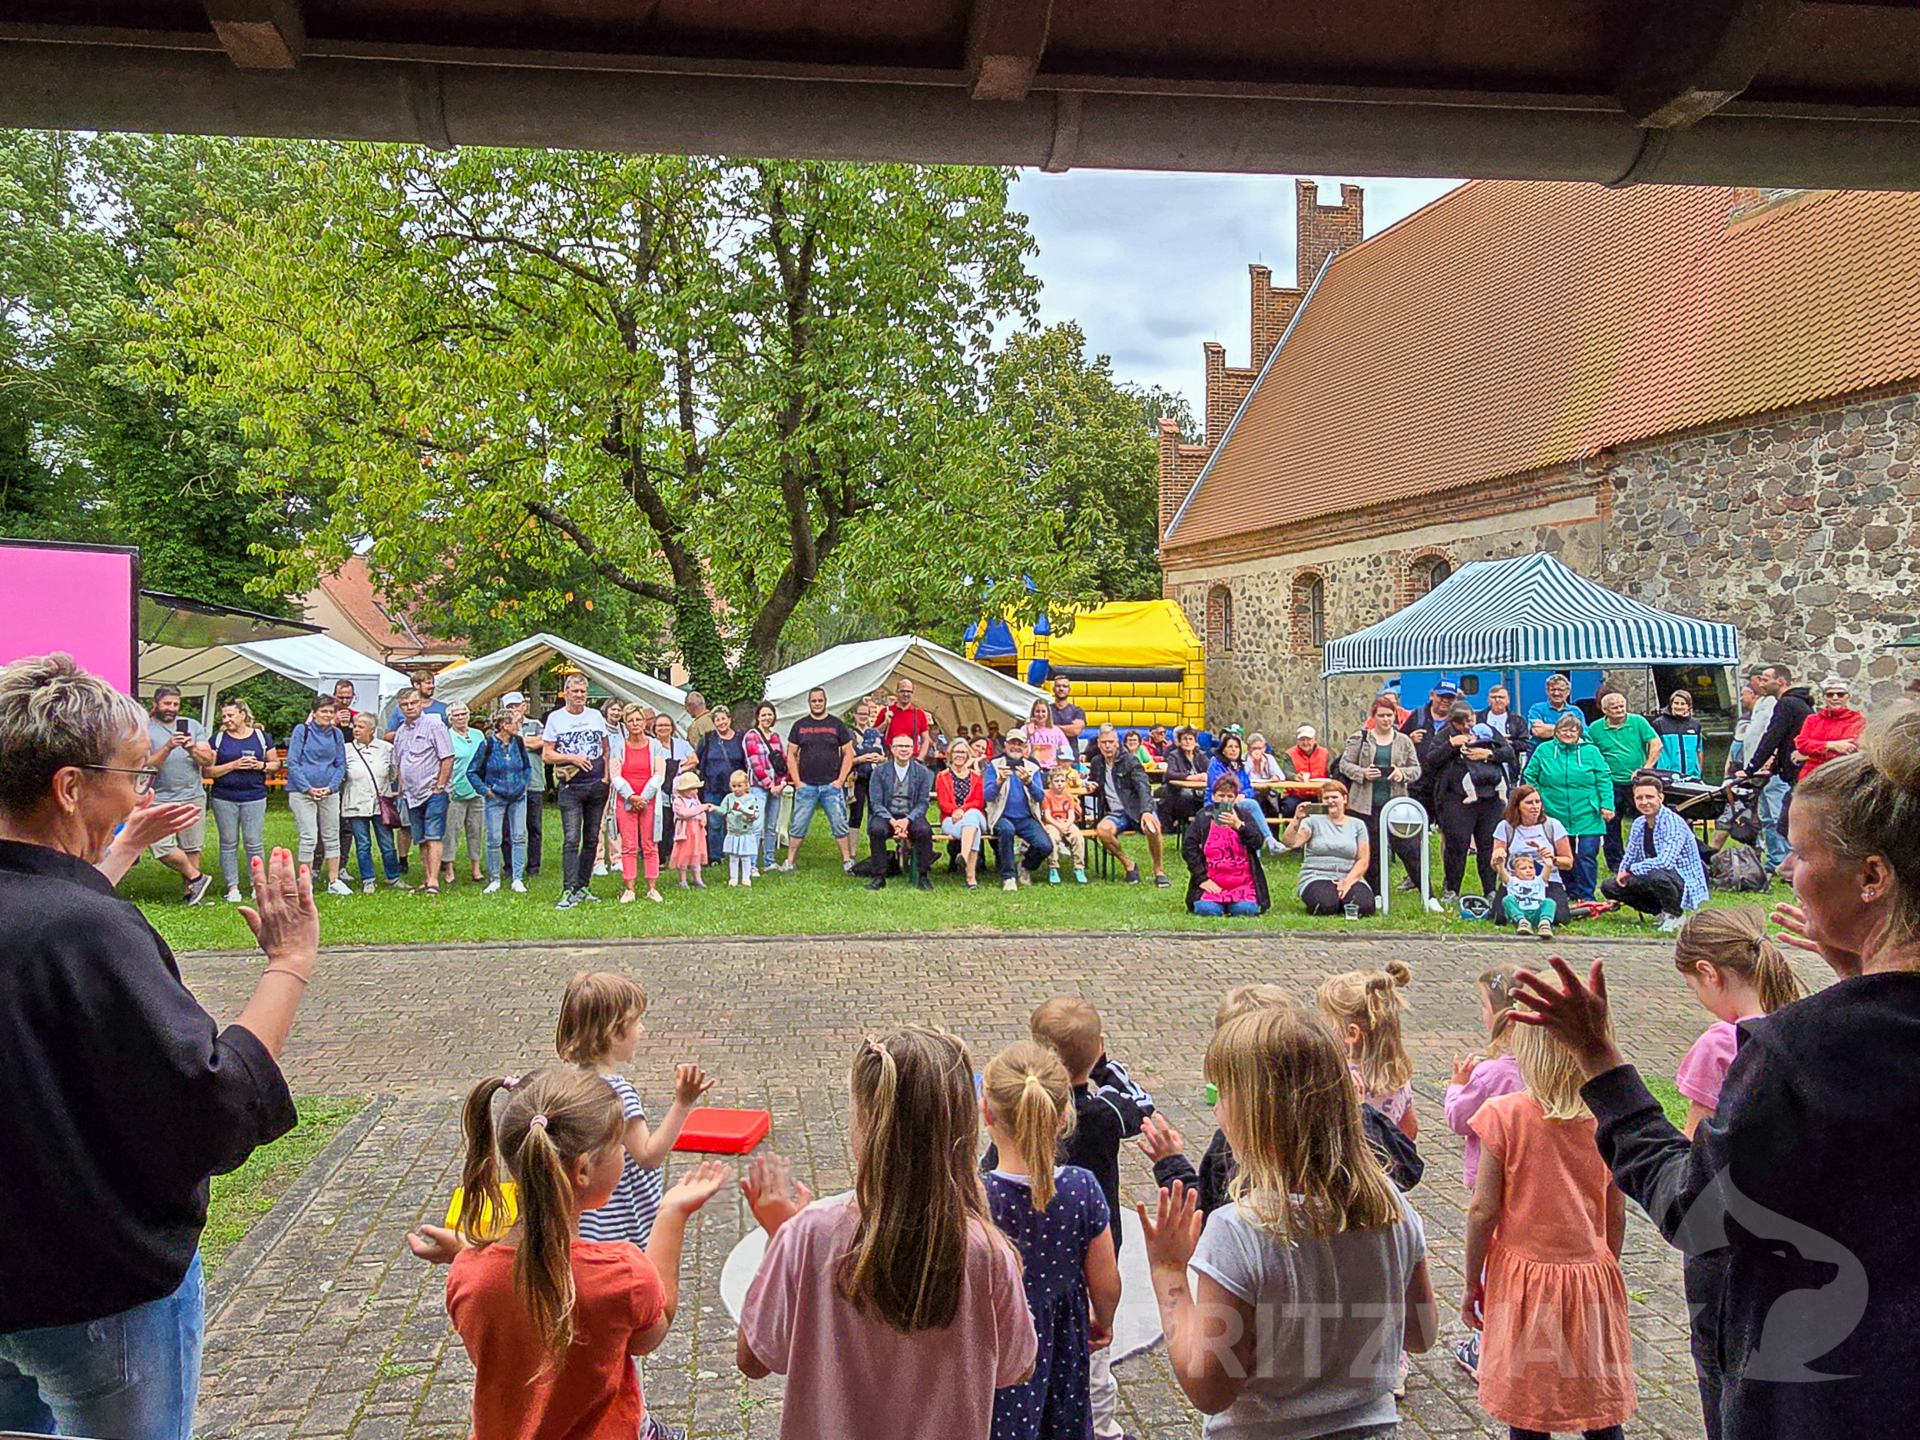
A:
{"x":1058,"y":1219}
{"x":900,"y":1302}
{"x":1318,"y":1264}
{"x":1544,"y":1231}
{"x":1364,"y":1007}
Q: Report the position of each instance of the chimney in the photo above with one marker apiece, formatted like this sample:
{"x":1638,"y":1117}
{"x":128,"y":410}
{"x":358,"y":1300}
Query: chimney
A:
{"x":1220,"y":402}
{"x":1325,"y":230}
{"x":1272,"y":310}
{"x":1170,"y":493}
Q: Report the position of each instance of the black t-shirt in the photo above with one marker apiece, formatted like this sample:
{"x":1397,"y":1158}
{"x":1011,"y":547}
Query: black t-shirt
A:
{"x":817,"y":744}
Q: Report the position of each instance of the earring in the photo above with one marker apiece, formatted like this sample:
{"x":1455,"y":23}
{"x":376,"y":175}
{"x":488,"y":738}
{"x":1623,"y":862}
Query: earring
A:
{"x":1867,"y":897}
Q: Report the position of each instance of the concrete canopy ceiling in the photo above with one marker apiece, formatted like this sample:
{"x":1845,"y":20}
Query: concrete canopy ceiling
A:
{"x":1749,"y":92}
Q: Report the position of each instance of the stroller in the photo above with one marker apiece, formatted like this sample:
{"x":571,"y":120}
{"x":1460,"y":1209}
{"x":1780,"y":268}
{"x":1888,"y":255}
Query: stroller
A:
{"x":1730,"y":812}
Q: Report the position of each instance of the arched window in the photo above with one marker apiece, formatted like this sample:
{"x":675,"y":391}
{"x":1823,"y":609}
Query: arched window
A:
{"x":1424,"y":574}
{"x":1309,"y":611}
{"x":1220,"y":620}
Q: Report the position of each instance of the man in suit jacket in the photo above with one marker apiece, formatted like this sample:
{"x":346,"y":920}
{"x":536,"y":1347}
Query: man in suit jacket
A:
{"x":898,"y":792}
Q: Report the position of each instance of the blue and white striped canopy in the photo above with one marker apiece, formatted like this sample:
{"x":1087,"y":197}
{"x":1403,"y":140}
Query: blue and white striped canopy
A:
{"x":1528,"y":613}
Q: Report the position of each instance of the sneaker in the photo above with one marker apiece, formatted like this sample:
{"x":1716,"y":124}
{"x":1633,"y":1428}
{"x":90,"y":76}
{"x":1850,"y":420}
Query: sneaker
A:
{"x":1545,"y":932}
{"x":568,"y":899}
{"x":1079,"y":877}
{"x":1523,"y":927}
{"x":1466,"y":1353}
{"x":846,"y":867}
{"x":1670,"y":924}
{"x":923,"y":883}
{"x":197,"y":890}
{"x":600,"y":872}
{"x":1273,"y":845}
{"x":367,"y":887}
{"x":626,"y":897}
{"x":493,"y":888}
{"x":1450,"y":897}
{"x":1435,"y":907}
{"x":397,"y":883}
{"x":1406,"y":886}
{"x":1009,"y":884}
{"x":339,"y":887}
{"x":233,"y":894}
{"x":1053,"y":875}
{"x":1026,"y":877}
{"x":786,"y":867}
{"x":586,"y":896}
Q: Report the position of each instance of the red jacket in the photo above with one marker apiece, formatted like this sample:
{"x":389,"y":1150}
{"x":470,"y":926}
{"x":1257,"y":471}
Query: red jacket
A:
{"x":1822,"y":726}
{"x":1308,"y":767}
{"x":953,"y":803}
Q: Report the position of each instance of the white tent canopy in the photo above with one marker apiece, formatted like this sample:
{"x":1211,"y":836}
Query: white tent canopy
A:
{"x":487,"y":677}
{"x":950,"y":687}
{"x":316,"y":661}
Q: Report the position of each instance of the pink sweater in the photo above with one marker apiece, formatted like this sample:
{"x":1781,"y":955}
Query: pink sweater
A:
{"x":1499,"y":1076}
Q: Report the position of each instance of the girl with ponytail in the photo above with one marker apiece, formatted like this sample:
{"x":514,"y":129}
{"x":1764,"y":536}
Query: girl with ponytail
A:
{"x":896,"y":1310}
{"x":1364,"y":1008}
{"x":1736,"y":972}
{"x":1058,"y":1219}
{"x":550,"y":1321}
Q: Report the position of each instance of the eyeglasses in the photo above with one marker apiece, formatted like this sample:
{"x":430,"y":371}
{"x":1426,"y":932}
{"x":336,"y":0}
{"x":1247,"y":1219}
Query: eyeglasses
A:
{"x":1841,"y":693}
{"x":142,"y":779}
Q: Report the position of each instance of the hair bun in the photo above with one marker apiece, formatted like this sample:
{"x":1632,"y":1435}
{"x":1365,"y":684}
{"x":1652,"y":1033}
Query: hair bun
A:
{"x":1398,"y":972}
{"x":1892,"y":746}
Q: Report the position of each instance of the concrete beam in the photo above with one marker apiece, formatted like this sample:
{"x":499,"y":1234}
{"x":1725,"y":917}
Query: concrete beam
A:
{"x":1692,"y":57}
{"x":259,"y":34}
{"x":1005,"y":40}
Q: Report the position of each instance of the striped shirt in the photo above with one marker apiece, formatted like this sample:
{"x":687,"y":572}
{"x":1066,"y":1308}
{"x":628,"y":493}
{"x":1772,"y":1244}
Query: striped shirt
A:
{"x":629,"y":1211}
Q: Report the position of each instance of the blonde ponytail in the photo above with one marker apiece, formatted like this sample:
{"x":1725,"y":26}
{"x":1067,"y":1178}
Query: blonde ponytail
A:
{"x":1028,"y":1088}
{"x":1735,"y":941}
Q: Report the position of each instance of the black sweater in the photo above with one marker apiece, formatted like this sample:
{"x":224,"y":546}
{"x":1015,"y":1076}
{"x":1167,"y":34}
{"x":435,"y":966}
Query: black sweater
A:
{"x":119,"y":1096}
{"x":1818,"y":1134}
{"x":1396,"y":1152}
{"x":1790,"y":712}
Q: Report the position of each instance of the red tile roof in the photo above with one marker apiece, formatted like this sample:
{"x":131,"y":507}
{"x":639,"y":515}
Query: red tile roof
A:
{"x":1514,"y":325}
{"x":389,"y":627}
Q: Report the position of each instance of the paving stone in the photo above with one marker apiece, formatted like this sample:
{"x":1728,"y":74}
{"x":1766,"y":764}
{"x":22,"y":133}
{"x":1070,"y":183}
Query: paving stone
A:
{"x":340,"y":1332}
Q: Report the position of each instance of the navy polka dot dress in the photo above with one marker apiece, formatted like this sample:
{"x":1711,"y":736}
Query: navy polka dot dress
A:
{"x":1052,"y":1405}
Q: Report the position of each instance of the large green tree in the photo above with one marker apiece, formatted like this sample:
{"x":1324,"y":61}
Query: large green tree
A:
{"x":1077,"y":434}
{"x":719,"y":386}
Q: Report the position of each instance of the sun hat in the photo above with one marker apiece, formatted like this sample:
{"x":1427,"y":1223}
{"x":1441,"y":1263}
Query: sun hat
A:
{"x":686,"y":780}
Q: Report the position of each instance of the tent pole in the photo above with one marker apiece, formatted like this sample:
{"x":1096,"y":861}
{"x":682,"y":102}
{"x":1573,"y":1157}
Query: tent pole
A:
{"x":1326,"y":709}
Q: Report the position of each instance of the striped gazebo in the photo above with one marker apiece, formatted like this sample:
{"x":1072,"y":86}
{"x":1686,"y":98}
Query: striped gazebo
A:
{"x":1529,"y":613}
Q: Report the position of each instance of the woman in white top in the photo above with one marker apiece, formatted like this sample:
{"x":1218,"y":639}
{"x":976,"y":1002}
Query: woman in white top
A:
{"x":1528,"y":827}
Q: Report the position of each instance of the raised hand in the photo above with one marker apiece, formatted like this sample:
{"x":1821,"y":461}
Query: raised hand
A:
{"x":1158,"y":1139}
{"x":1464,"y":1067}
{"x":151,"y":823}
{"x":697,"y":1186}
{"x":1576,"y":1014}
{"x":1173,"y":1232}
{"x":773,"y":1195}
{"x":690,"y":1082}
{"x":287,"y":924}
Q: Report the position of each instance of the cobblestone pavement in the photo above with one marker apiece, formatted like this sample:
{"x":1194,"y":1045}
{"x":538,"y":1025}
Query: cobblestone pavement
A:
{"x":340,"y":1332}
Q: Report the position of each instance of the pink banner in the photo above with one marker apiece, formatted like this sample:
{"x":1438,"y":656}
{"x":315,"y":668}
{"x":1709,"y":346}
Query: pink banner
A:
{"x":83,"y":601}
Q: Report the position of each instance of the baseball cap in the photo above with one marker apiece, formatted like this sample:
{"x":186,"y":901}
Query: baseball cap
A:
{"x":1483,"y":732}
{"x":1444,"y":686}
{"x":513,"y":697}
{"x":1306,"y":732}
{"x":1017,"y":733}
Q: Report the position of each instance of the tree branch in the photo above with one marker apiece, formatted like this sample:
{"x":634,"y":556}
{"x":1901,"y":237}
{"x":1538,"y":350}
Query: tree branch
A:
{"x":596,"y":557}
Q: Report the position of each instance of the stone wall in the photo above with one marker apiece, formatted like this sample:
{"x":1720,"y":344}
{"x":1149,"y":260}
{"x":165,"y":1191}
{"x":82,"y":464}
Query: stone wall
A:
{"x":1797,"y":528}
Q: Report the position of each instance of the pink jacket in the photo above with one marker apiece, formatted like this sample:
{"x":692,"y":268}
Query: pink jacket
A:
{"x":1499,"y":1076}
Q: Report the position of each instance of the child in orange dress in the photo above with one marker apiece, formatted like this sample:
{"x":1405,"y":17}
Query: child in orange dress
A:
{"x":1543,"y":1257}
{"x":689,"y":831}
{"x":1060,"y":818}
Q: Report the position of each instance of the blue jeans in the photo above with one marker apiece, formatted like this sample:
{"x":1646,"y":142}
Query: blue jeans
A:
{"x":1586,"y":867}
{"x":825,"y":797}
{"x":366,"y":829}
{"x":508,"y":819}
{"x":1772,"y":798}
{"x":135,"y":1374}
{"x":1039,"y":843}
{"x":427,"y":819}
{"x":1236,"y":907}
{"x":769,"y":825}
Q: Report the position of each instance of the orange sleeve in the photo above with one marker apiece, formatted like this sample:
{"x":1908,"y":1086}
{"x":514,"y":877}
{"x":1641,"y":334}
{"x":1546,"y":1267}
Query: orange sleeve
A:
{"x":649,"y":1296}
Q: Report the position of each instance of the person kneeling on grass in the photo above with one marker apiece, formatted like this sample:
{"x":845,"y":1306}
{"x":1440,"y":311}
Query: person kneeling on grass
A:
{"x":1222,"y":851}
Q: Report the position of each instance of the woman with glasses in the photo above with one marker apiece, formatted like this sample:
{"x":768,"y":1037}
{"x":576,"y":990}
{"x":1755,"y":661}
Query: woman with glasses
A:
{"x":242,"y":759}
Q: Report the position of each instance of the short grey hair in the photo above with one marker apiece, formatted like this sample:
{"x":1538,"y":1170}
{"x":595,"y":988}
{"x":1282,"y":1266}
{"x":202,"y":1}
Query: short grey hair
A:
{"x":53,"y":714}
{"x":412,"y":692}
{"x":501,"y":715}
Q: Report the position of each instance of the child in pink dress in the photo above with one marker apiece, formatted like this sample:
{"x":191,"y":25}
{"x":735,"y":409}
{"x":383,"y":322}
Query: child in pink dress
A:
{"x":689,"y":831}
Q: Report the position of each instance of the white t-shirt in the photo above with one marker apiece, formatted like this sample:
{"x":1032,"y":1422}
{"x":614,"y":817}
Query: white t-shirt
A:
{"x":1547,"y":836}
{"x":584,"y":734}
{"x":1332,"y":1319}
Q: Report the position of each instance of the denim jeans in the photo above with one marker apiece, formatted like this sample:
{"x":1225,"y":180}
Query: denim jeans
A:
{"x":769,"y":825}
{"x":1586,"y":867}
{"x":808,"y":798}
{"x":239,"y":822}
{"x":582,"y":810}
{"x":1772,"y":800}
{"x":135,"y":1374}
{"x":506,"y":819}
{"x":1234,"y":907}
{"x":1039,"y":844}
{"x":366,"y":829}
{"x":511,"y":849}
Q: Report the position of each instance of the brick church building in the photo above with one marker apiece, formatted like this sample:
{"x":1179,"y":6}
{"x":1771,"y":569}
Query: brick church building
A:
{"x":1701,"y":397}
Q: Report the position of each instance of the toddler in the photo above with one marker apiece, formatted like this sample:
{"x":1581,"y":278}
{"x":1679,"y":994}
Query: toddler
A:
{"x":1060,"y":818}
{"x":1364,"y":1007}
{"x":689,"y":831}
{"x":740,"y":813}
{"x":1526,"y":900}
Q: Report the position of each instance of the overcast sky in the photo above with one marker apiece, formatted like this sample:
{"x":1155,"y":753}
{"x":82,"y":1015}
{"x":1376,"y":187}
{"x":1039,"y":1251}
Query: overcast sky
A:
{"x":1154,"y":265}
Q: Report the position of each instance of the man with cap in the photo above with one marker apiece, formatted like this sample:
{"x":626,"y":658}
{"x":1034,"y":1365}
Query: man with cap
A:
{"x":1308,"y":760}
{"x":1014,"y":788}
{"x":1830,"y":731}
{"x":516,"y":703}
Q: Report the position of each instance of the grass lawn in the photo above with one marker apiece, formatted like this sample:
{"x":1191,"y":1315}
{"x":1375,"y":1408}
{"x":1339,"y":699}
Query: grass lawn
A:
{"x":239,"y":1199}
{"x":816,"y":900}
{"x":1670,"y":1098}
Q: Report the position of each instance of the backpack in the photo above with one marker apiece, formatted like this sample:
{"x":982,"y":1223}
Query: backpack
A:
{"x":1737,"y":869}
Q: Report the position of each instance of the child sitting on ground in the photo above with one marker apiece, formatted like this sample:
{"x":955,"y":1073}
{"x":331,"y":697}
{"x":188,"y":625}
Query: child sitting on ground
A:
{"x":550,"y":1319}
{"x":1313,"y":1280}
{"x":898,"y":1309}
{"x":1060,"y":818}
{"x":1364,"y":1008}
{"x":598,"y":1030}
{"x":740,"y":816}
{"x":1526,"y":902}
{"x":1059,"y":1221}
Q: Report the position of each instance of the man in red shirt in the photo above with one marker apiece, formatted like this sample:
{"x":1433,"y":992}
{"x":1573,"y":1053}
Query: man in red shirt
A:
{"x":1832,"y":730}
{"x":903,"y":717}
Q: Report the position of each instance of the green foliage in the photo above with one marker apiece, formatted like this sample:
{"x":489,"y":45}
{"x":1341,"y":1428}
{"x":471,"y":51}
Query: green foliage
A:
{"x":241,"y":1198}
{"x":1089,"y":444}
{"x":716,"y":386}
{"x":278,"y":704}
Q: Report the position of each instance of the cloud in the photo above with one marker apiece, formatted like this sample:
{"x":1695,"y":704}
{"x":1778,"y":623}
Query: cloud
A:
{"x":1154,"y":265}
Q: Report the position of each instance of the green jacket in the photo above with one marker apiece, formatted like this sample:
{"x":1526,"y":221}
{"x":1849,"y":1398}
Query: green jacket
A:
{"x":1575,"y":784}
